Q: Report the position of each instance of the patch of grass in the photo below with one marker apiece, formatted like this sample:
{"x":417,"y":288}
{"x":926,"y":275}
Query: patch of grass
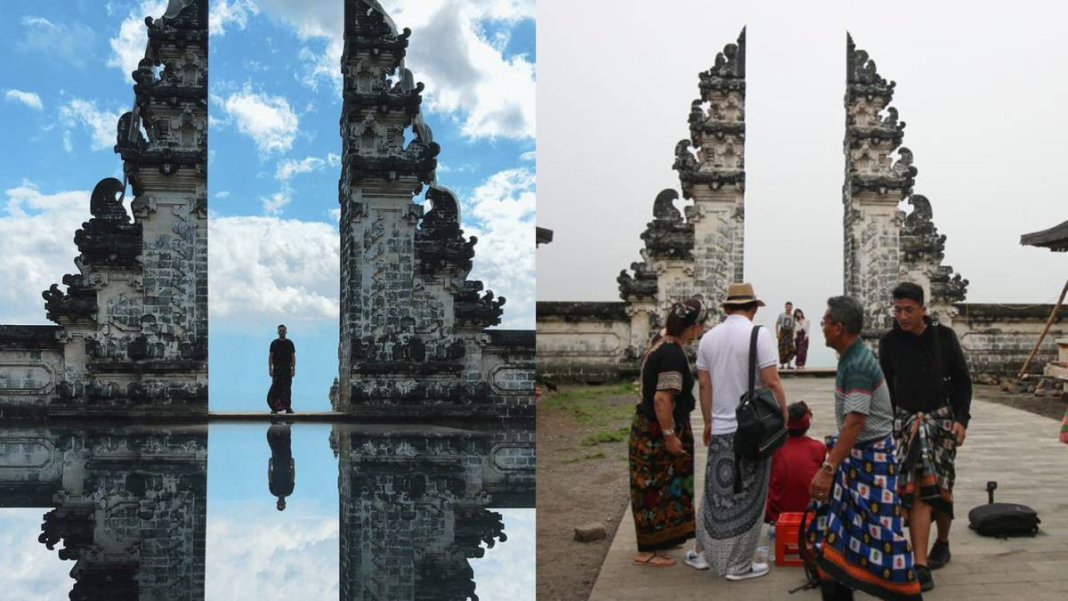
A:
{"x":606,"y":436}
{"x":585,"y":403}
{"x":591,"y":456}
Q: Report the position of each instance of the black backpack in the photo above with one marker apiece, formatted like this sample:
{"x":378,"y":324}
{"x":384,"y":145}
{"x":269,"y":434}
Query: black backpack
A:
{"x":761,"y":426}
{"x":1003,"y":519}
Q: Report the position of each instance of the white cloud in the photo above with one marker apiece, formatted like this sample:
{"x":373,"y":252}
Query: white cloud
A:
{"x":288,"y":168}
{"x":266,"y":268}
{"x":37,"y":243}
{"x":464,"y":70}
{"x":128,"y":47}
{"x":268,"y":120}
{"x":68,"y":146}
{"x":100,"y":124}
{"x":261,"y":554}
{"x":30,"y":99}
{"x":505,"y":572}
{"x":225,"y":12}
{"x":273,"y":204}
{"x":528,"y":156}
{"x":27,"y":568}
{"x":333,"y":160}
{"x":501,"y":213}
{"x":222,"y":194}
{"x":71,"y":43}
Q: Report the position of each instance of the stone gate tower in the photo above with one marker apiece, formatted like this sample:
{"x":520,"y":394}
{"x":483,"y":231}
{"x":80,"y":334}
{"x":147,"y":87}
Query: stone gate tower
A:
{"x":413,"y":327}
{"x":700,"y":253}
{"x":882,"y":246}
{"x":132,"y":333}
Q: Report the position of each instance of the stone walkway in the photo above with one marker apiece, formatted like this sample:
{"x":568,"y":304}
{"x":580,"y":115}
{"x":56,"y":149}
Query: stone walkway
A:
{"x":1019,"y":450}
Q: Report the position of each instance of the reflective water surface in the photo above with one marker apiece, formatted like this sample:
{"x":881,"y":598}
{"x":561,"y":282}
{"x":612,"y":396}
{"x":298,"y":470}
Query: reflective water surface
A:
{"x":266,"y":511}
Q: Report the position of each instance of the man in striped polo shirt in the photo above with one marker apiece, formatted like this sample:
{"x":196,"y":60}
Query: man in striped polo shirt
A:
{"x":858,"y":531}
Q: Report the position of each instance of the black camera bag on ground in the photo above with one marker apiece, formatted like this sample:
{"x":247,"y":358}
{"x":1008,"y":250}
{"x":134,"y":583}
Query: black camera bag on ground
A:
{"x":761,"y":425}
{"x":1003,"y":519}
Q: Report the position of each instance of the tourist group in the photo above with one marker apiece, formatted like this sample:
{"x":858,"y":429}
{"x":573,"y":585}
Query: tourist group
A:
{"x":900,"y":420}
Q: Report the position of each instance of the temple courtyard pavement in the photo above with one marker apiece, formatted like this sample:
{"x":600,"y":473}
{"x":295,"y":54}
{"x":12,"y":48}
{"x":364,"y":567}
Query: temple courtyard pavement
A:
{"x":1017,"y":449}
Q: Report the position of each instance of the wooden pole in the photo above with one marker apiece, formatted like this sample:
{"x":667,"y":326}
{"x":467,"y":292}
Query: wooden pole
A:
{"x":1049,"y":322}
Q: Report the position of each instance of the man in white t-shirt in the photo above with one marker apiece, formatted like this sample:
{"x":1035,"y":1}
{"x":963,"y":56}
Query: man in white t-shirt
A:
{"x":728,"y":524}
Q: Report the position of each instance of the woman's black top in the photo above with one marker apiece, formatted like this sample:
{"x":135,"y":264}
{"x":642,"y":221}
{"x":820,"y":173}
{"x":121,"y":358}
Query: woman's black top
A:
{"x":665,"y":367}
{"x":909,"y":364}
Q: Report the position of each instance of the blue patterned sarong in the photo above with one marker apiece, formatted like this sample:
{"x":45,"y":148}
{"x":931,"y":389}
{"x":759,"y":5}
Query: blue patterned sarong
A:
{"x":858,"y":532}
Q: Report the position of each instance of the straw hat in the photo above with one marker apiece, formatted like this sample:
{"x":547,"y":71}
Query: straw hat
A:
{"x":741,"y":294}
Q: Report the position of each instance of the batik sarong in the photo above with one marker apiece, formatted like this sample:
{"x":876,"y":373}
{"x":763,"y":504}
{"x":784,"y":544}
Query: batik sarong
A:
{"x":801,"y":344}
{"x":786,"y":345}
{"x":280,"y":395}
{"x":661,"y":485}
{"x":927,"y":450}
{"x":1064,"y":428}
{"x":857,"y":533}
{"x":729,"y":523}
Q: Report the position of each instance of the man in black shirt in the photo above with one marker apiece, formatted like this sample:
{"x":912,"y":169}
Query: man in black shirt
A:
{"x":282,"y":366}
{"x":931,"y":390}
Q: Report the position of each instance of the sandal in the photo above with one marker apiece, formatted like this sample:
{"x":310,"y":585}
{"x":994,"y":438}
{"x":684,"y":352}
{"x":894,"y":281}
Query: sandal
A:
{"x":654,"y":559}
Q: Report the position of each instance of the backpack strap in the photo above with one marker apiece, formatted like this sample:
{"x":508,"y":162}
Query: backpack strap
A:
{"x":752,"y":360}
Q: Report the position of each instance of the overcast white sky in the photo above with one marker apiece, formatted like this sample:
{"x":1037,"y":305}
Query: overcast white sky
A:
{"x":978,"y":85}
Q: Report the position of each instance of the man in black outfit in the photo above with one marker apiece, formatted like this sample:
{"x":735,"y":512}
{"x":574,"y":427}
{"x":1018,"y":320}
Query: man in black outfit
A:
{"x":931,"y":390}
{"x":282,"y":366}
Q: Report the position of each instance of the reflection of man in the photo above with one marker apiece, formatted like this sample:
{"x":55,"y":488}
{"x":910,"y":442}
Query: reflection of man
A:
{"x":282,"y":366}
{"x":281,"y":469}
{"x":932,"y":393}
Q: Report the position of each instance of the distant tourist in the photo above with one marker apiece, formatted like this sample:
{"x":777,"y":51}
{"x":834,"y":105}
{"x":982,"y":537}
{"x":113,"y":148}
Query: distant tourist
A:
{"x":858,"y":531}
{"x":784,"y":332}
{"x":730,"y":517}
{"x":282,"y":366}
{"x":794,"y":465}
{"x":281,"y":469}
{"x":800,"y":338}
{"x":661,"y":441}
{"x":932,"y":394}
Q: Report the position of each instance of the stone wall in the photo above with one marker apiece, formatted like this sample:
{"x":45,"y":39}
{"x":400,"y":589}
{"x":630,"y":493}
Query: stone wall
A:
{"x":31,"y":365}
{"x":998,"y":337}
{"x":583,"y":342}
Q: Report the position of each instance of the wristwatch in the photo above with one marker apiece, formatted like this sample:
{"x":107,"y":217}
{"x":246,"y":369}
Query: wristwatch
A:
{"x":669,"y":432}
{"x":827,"y":467}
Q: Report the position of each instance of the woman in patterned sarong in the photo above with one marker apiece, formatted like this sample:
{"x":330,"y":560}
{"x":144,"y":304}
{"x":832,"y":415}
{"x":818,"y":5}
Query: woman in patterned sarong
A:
{"x":800,"y":338}
{"x":661,"y":441}
{"x":1064,"y":428}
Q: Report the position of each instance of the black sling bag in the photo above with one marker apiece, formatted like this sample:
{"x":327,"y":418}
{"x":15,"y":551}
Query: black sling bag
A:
{"x":761,"y":426}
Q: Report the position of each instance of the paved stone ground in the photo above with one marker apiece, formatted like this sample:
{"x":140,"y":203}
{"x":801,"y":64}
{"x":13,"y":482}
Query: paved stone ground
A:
{"x":1019,"y":450}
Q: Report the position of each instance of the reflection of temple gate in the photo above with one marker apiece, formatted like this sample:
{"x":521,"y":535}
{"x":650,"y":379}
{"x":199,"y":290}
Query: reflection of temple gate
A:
{"x":414,"y":506}
{"x":128,"y":508}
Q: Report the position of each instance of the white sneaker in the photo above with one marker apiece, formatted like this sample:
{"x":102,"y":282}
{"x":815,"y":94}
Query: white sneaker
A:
{"x":696,"y":560}
{"x":756,"y":571}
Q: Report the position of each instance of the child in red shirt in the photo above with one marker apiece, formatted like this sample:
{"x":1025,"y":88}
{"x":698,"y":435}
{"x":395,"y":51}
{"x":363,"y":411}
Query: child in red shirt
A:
{"x":794,"y":465}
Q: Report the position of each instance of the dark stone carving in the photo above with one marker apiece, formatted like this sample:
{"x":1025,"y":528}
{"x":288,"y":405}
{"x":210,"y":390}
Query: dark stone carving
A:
{"x":667,"y":235}
{"x":583,"y":311}
{"x":475,"y":310}
{"x":728,"y":72}
{"x":920,"y":241}
{"x":862,"y":76}
{"x":440,"y":243}
{"x":642,"y":284}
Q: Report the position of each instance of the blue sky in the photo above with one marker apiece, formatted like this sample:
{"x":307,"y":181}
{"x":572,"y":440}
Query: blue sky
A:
{"x":274,"y":146}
